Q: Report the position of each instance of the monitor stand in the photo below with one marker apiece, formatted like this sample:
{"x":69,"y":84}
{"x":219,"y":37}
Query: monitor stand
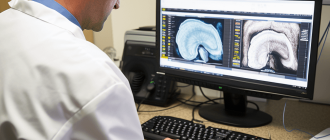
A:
{"x":235,"y":112}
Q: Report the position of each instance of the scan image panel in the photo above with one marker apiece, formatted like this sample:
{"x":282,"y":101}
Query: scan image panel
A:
{"x":270,"y":46}
{"x":199,"y":40}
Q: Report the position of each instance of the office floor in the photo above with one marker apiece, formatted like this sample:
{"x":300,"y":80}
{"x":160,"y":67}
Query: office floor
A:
{"x":312,"y":118}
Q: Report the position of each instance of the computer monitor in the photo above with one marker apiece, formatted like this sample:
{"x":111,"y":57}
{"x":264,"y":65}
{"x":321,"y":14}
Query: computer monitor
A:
{"x":262,"y":48}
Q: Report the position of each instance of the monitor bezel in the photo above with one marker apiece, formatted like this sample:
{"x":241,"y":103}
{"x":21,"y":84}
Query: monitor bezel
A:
{"x":251,"y":85}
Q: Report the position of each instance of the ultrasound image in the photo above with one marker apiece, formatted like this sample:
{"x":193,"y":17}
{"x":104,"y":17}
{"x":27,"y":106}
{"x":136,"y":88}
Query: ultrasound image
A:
{"x":199,"y":41}
{"x":270,"y":45}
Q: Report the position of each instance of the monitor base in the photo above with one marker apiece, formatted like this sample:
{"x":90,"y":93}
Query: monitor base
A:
{"x":251,"y":118}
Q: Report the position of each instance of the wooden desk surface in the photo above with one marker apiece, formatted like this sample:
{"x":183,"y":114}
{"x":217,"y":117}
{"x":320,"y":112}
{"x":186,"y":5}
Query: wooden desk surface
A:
{"x":309,"y":117}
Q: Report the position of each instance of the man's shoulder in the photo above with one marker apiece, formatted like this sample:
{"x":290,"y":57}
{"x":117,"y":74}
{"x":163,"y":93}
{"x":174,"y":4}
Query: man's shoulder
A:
{"x":25,"y":33}
{"x":19,"y":24}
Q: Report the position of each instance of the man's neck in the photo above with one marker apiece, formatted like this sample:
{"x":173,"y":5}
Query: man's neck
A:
{"x":75,"y":8}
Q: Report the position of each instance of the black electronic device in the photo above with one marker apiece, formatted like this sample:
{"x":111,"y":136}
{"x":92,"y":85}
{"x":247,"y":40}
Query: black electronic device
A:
{"x":139,"y":66}
{"x":265,"y":49}
{"x":160,"y":127}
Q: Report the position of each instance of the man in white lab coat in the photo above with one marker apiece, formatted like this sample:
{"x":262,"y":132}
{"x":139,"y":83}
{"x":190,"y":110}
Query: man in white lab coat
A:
{"x":53,"y":83}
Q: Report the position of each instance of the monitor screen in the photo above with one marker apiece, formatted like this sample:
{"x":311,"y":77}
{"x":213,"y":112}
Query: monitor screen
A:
{"x":257,"y":44}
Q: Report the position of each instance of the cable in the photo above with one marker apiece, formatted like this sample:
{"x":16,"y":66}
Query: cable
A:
{"x":173,"y":106}
{"x":299,"y":129}
{"x":196,"y":106}
{"x":193,"y":90}
{"x":193,"y":101}
{"x":143,"y":100}
{"x":326,"y":36}
{"x":206,"y":96}
{"x":184,"y":86}
{"x":180,"y":100}
{"x":140,"y":104}
{"x":325,"y":32}
{"x":254,"y":104}
{"x":176,"y":83}
{"x":167,"y":108}
{"x":185,"y":103}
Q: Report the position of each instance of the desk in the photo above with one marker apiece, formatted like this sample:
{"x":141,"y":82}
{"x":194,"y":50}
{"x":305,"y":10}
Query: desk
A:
{"x":312,"y":118}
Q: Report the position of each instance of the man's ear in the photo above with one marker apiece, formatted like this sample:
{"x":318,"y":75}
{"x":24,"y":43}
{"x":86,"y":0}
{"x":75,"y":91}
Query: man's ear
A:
{"x":117,"y":5}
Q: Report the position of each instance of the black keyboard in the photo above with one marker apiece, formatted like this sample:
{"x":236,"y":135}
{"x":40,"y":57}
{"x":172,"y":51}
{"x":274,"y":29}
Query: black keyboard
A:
{"x":161,"y":127}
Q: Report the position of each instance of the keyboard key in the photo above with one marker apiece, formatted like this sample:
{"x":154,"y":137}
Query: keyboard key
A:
{"x":177,"y":128}
{"x":173,"y":136}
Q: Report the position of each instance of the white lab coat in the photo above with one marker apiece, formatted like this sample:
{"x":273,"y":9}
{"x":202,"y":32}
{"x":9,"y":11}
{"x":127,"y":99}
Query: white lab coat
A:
{"x":56,"y":85}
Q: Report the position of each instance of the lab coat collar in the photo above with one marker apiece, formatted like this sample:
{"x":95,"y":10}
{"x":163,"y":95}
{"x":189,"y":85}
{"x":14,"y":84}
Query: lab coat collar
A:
{"x":59,"y":8}
{"x":46,"y":14}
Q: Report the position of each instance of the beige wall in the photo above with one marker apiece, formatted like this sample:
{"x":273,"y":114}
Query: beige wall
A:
{"x":89,"y":35}
{"x":322,"y":83}
{"x":131,"y":15}
{"x":104,"y":38}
